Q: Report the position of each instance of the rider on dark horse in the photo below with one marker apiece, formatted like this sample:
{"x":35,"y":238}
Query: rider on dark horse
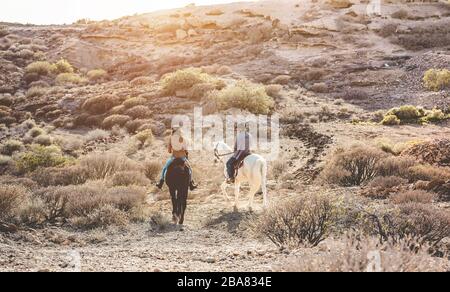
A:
{"x":178,"y":146}
{"x":241,"y":151}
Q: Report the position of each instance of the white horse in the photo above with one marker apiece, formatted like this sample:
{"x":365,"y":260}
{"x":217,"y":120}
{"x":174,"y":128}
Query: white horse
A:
{"x":254,"y":171}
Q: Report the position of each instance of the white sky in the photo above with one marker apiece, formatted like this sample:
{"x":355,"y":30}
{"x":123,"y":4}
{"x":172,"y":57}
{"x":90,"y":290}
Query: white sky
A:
{"x":68,"y":11}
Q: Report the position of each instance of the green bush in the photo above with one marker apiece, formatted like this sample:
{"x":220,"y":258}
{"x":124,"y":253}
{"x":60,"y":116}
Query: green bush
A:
{"x":185,"y":79}
{"x":39,"y":156}
{"x":69,"y":78}
{"x":63,"y":66}
{"x":41,"y":68}
{"x":437,"y":79}
{"x":409,"y":114}
{"x":245,"y":95}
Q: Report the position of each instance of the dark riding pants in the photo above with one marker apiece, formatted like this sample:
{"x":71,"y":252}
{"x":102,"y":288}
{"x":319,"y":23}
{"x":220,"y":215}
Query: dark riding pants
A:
{"x":230,"y":167}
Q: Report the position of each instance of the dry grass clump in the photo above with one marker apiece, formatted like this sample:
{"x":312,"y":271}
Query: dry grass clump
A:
{"x":144,"y":137}
{"x":355,"y":94}
{"x":36,"y":92}
{"x":97,"y":75}
{"x":427,"y":173}
{"x":41,"y":68}
{"x":366,"y":254}
{"x":104,"y":165}
{"x":437,"y":79}
{"x":70,"y":79}
{"x":184,"y":79}
{"x":245,"y":95}
{"x":135,"y":101}
{"x":100,"y":104}
{"x":142,"y":81}
{"x":434,"y":152}
{"x":353,"y":166}
{"x":396,"y":166}
{"x":60,"y":176}
{"x":130,"y":178}
{"x":63,"y":66}
{"x":139,"y":111}
{"x":10,"y":147}
{"x":11,"y":197}
{"x":152,"y":169}
{"x":383,"y":187}
{"x":115,"y":120}
{"x":274,"y":90}
{"x":413,"y":196}
{"x":96,"y":134}
{"x":304,"y":221}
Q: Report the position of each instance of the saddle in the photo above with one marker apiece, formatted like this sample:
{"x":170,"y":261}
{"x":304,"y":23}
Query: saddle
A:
{"x":239,"y":163}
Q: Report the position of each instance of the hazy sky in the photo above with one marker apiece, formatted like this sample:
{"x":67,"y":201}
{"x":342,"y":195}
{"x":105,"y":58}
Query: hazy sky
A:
{"x":68,"y":11}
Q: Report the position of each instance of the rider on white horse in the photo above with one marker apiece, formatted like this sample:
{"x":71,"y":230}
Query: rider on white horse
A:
{"x":241,"y":150}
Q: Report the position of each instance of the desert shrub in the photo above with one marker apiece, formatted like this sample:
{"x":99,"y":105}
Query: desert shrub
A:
{"x":60,"y":176}
{"x":41,"y":68}
{"x":400,"y":14}
{"x":63,"y":66}
{"x":320,"y":87}
{"x":69,"y":78}
{"x":359,"y":254}
{"x":395,"y":166}
{"x":35,"y":132}
{"x":437,"y":79}
{"x":115,"y":120}
{"x":135,"y":101}
{"x":130,"y":178}
{"x":391,"y":120}
{"x":282,"y":79}
{"x":127,"y":198}
{"x":279,"y":167}
{"x":135,"y":125}
{"x":409,"y":114}
{"x":273,"y":90}
{"x":11,"y":197}
{"x":39,"y":83}
{"x":139,"y":111}
{"x":44,"y":140}
{"x":427,"y":173}
{"x":3,"y":31}
{"x":422,"y":222}
{"x":39,"y":157}
{"x":142,"y":80}
{"x":145,"y":137}
{"x":97,"y":75}
{"x":9,"y":147}
{"x":416,"y":196}
{"x":245,"y":95}
{"x":304,"y":221}
{"x":6,"y":100}
{"x":103,"y":165}
{"x":152,"y":169}
{"x":355,"y":94}
{"x":36,"y":92}
{"x":96,"y":135}
{"x":383,"y":187}
{"x":102,"y":217}
{"x":224,"y":70}
{"x":353,"y":166}
{"x":100,"y":104}
{"x":184,"y":79}
{"x":4,"y":161}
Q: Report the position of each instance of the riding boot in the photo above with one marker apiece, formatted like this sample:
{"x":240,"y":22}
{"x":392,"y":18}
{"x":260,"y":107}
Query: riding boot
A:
{"x":160,"y":184}
{"x":192,"y":186}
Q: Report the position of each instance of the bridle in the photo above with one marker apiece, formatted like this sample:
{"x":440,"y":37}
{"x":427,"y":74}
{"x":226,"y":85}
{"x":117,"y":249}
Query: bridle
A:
{"x":219,"y":156}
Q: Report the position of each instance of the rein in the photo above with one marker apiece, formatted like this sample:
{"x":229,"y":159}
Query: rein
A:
{"x":218,"y":156}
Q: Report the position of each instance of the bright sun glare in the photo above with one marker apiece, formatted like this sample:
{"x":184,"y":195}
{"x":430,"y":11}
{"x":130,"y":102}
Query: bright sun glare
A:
{"x":68,"y":11}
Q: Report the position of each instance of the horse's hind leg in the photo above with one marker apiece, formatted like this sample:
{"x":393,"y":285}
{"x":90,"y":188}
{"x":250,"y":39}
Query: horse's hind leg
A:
{"x":253,"y":191}
{"x":183,"y":205}
{"x":173,"y":196}
{"x":223,"y":187}
{"x":237,"y":188}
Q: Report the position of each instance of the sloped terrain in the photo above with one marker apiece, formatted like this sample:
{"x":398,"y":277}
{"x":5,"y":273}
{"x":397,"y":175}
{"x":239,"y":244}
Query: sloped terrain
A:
{"x":97,"y":92}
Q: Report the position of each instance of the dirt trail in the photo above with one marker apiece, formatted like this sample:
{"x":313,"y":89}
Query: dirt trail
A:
{"x":214,"y":239}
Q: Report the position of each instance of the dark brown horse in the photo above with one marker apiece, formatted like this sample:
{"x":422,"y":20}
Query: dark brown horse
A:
{"x":177,"y":179}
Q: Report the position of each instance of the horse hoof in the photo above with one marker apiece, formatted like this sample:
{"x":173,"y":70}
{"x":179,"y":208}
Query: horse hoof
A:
{"x":175,"y":220}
